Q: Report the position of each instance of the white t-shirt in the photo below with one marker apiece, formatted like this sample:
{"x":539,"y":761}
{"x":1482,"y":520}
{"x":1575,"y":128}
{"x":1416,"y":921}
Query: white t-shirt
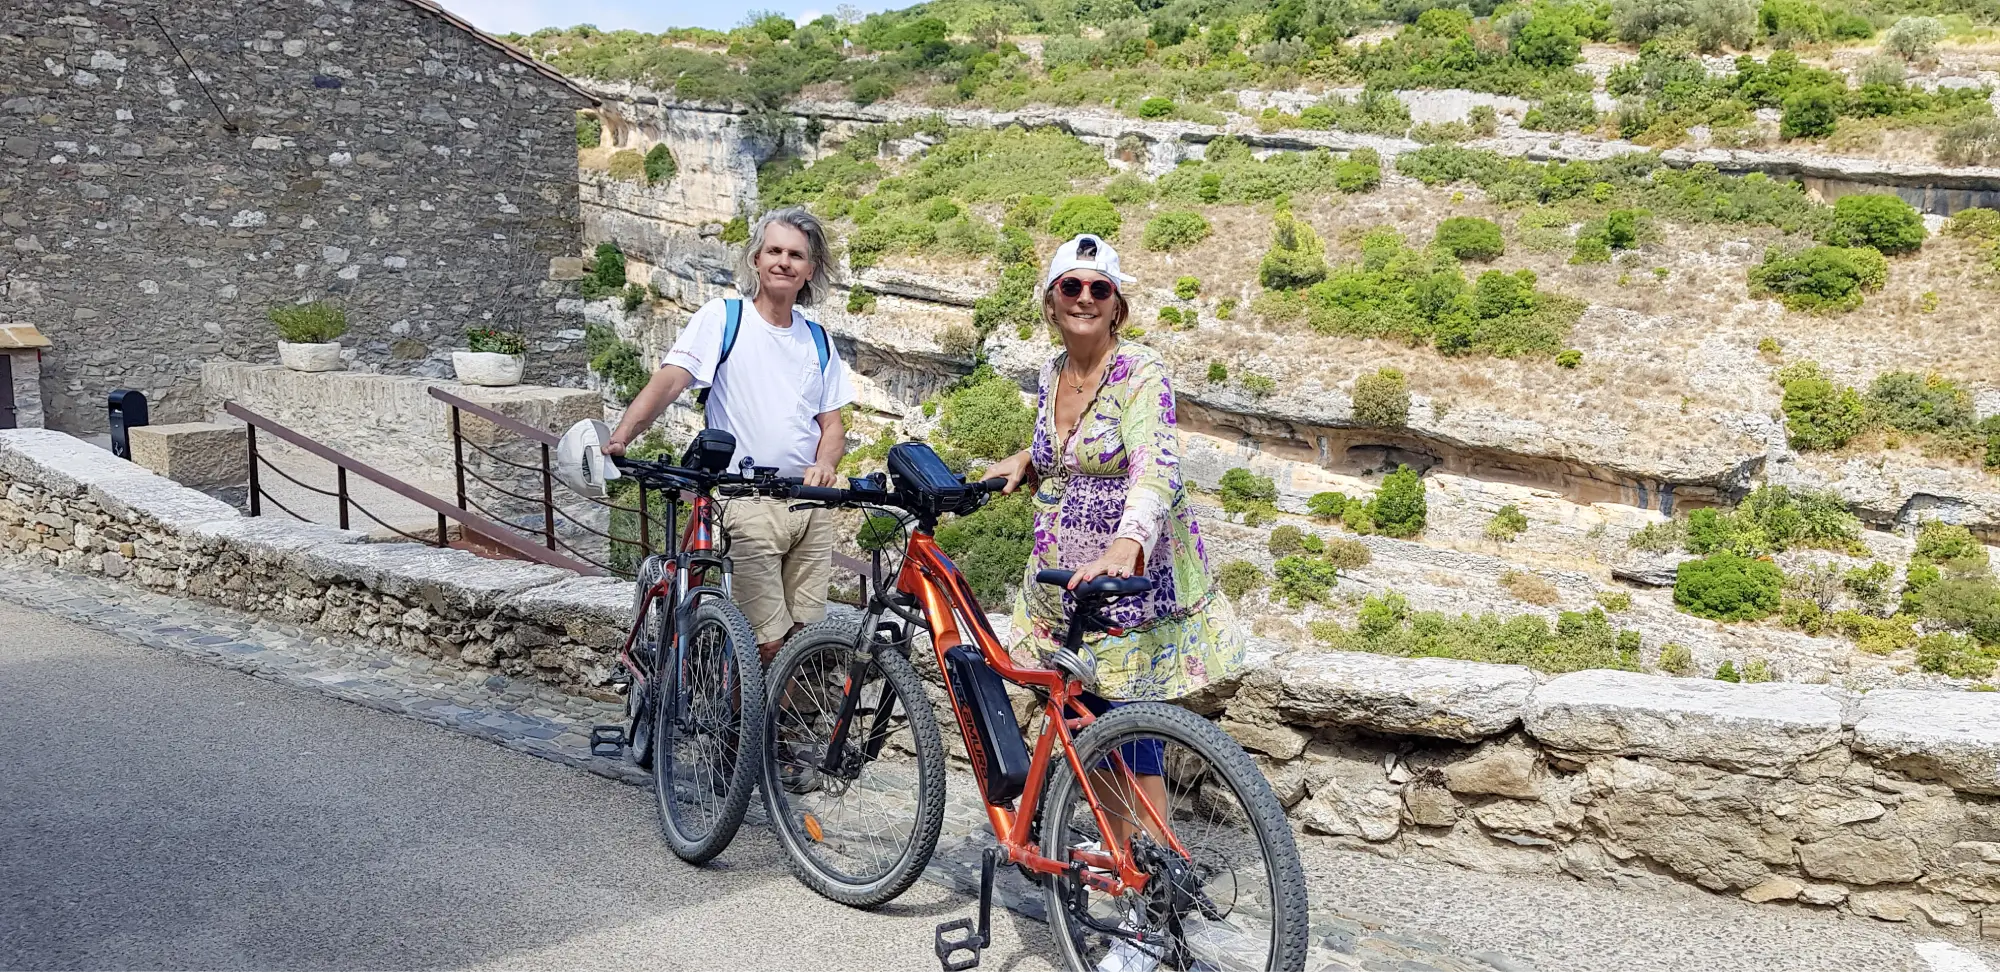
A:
{"x":772,"y":390}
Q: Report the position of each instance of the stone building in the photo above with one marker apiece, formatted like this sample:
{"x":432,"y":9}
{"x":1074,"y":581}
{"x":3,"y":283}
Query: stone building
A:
{"x":170,"y":172}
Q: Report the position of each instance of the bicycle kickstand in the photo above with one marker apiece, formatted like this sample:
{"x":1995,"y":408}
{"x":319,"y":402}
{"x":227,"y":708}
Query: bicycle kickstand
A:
{"x":967,"y":938}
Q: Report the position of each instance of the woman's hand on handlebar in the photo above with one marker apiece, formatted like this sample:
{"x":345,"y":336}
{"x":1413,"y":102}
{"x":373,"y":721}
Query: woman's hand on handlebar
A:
{"x":1014,"y":469}
{"x":1122,"y":560}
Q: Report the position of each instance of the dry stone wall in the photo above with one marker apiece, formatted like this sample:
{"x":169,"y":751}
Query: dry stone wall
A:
{"x":1885,"y":805}
{"x":369,"y":151}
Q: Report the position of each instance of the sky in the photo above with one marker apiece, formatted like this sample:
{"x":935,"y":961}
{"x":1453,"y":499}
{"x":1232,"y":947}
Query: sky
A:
{"x":525,"y":16}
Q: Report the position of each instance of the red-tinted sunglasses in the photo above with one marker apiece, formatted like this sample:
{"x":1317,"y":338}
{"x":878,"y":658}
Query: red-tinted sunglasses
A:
{"x":1071,"y":287}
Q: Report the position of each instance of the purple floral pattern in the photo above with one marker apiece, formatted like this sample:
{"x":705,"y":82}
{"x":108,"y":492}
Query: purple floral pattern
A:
{"x":1118,"y":476}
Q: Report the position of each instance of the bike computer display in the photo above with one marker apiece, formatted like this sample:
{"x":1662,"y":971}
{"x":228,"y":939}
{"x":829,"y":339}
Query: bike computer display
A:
{"x":922,"y":476}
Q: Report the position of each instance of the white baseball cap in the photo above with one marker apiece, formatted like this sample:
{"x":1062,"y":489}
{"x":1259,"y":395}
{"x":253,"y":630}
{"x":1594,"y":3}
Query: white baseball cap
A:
{"x":1104,"y":260}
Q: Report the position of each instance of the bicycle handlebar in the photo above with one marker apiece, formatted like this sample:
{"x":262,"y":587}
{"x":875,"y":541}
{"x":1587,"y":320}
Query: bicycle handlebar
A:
{"x":878,"y":497}
{"x":700,"y":480}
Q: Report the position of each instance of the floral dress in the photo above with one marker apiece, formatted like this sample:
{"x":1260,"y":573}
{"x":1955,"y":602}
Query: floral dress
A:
{"x":1119,"y":476}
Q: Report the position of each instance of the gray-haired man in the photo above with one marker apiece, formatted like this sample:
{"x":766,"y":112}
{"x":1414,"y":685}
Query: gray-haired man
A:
{"x":776,"y":384}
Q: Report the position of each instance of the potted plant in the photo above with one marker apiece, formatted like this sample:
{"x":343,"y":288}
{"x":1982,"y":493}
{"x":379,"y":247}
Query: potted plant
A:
{"x":307,"y":333}
{"x":495,"y":358}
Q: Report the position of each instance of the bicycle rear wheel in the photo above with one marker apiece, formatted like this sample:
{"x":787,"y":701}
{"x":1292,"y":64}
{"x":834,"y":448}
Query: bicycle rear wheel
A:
{"x":1237,"y":901}
{"x":706,"y":719}
{"x":861,"y":834}
{"x":639,"y":701}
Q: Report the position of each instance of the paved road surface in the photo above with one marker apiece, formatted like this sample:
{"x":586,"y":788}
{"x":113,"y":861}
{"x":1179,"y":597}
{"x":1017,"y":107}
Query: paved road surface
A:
{"x":160,"y":814}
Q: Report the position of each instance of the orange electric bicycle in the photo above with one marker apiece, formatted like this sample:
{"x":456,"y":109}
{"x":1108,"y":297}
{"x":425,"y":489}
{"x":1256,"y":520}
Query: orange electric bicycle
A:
{"x":1156,"y":840}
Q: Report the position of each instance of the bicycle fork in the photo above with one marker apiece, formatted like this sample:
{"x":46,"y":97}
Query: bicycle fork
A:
{"x":834,"y":762}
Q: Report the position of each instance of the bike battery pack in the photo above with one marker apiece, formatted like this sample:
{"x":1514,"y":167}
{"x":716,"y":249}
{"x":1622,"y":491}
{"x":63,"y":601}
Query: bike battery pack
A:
{"x":999,"y":754}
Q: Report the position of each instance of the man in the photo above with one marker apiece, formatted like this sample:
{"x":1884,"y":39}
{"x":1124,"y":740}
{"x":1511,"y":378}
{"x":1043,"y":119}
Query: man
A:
{"x":778,"y":388}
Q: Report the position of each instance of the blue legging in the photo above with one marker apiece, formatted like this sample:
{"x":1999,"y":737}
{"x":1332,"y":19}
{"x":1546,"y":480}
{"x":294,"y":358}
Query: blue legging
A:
{"x":1146,"y":757}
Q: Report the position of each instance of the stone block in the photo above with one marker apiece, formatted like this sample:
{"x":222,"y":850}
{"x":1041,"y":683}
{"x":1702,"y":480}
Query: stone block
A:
{"x":201,"y":455}
{"x":1431,"y":807}
{"x":1886,"y":905}
{"x":271,"y":538}
{"x":1280,"y":741}
{"x":576,"y":601}
{"x":1440,"y":697}
{"x":62,"y":464}
{"x":565,"y":268}
{"x":148,"y":497}
{"x":1774,"y":888}
{"x":1497,"y":771}
{"x":1949,"y":736}
{"x":441,"y":579}
{"x":1854,"y":859}
{"x":1770,"y":726}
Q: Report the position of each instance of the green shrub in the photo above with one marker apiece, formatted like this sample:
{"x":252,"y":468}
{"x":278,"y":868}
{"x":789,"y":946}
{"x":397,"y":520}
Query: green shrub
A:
{"x":1772,"y":519}
{"x":1287,"y":539}
{"x":1304,"y":579}
{"x":1939,"y":542}
{"x":1913,"y":38}
{"x":1296,"y":258}
{"x":991,"y":547}
{"x":1590,"y":249}
{"x":1966,"y":604}
{"x":1170,"y":316}
{"x":1357,"y":517}
{"x":1562,"y":113}
{"x":1820,"y":279}
{"x":627,"y":165}
{"x":1225,"y":308}
{"x":1217,"y":373}
{"x":1085,"y":214}
{"x":1187,"y":288}
{"x":1954,"y":656}
{"x":1400,"y":507}
{"x":1758,"y":670}
{"x":1030,"y":211}
{"x":1485,"y":121}
{"x":1882,"y":221}
{"x":1972,"y":142}
{"x":1727,"y":587}
{"x":607,"y":272}
{"x":736,"y":231}
{"x":1258,"y":385}
{"x":1327,"y":506}
{"x":1909,"y":402}
{"x":1253,"y":496}
{"x":1129,"y":187}
{"x":1676,"y":659}
{"x":589,"y":130}
{"x":1175,"y":230}
{"x":489,"y":341}
{"x":1726,"y":672}
{"x":1239,"y":577}
{"x":1470,"y":238}
{"x":1616,"y":602}
{"x":1811,"y":113}
{"x":1361,"y":171}
{"x":1506,"y":524}
{"x":616,"y":362}
{"x":1382,"y":398}
{"x":1577,"y":641}
{"x":1980,"y":224}
{"x":860,"y":300}
{"x":1156,"y":108}
{"x":660,"y":164}
{"x":315,"y":323}
{"x":1624,"y":227}
{"x":1660,"y":537}
{"x":1569,"y":358}
{"x":985,"y":417}
{"x":1819,"y":415}
{"x":632,"y":296}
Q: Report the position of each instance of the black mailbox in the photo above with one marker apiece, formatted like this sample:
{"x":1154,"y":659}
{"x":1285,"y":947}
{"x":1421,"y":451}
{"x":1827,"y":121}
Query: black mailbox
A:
{"x":128,"y":411}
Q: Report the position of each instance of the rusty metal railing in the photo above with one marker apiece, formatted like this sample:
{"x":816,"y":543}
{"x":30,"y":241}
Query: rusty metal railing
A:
{"x":553,"y":517}
{"x":343,"y":464}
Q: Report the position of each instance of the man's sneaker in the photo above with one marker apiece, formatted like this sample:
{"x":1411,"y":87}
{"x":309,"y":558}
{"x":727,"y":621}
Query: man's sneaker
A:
{"x":795,"y":770}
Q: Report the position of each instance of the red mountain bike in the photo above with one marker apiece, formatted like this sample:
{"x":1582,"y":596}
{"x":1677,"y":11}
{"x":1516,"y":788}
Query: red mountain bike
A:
{"x":1156,"y":839}
{"x":693,"y":680}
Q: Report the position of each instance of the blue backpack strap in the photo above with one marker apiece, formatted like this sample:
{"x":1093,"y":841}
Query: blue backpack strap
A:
{"x":732,"y":321}
{"x":820,"y":344}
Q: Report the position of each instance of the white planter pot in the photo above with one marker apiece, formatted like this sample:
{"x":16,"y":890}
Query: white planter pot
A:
{"x":310,"y":357}
{"x":487,"y":368}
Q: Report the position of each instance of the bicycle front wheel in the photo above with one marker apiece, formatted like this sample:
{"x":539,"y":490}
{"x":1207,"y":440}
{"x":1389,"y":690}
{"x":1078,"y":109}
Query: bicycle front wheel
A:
{"x":1236,"y":900}
{"x":708,"y":716}
{"x":861,"y":831}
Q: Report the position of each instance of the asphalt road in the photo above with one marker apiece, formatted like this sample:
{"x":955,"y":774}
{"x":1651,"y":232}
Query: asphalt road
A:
{"x":159,"y":814}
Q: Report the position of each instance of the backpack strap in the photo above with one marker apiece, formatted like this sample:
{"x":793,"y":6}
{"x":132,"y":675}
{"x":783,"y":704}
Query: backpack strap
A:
{"x":820,"y":344}
{"x":732,"y":321}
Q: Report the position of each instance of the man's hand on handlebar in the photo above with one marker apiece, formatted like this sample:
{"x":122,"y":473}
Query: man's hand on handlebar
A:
{"x":822,"y":474}
{"x":615,"y":447}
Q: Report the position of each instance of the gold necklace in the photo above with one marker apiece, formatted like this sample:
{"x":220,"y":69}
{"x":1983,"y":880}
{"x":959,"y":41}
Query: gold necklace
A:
{"x":1078,"y":382}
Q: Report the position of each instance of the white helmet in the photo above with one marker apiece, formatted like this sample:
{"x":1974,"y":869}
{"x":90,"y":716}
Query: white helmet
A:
{"x":580,"y":460}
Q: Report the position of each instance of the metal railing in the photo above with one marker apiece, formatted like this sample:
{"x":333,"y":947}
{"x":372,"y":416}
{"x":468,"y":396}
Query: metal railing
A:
{"x":554,"y":521}
{"x":343,"y":464}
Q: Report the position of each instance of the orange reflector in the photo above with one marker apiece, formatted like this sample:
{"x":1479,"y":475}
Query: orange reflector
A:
{"x":812,"y":829}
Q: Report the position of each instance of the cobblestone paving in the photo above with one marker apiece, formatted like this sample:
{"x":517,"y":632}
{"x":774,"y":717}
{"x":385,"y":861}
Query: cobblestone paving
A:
{"x":535,"y":719}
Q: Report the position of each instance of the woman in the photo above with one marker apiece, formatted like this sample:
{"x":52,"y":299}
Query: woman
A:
{"x":1109,"y":500}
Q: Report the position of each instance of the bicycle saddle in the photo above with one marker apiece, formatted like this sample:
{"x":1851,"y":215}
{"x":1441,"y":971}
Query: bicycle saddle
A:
{"x":1097,"y":587}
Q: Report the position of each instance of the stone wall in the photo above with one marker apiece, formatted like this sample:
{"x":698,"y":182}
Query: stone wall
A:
{"x":1885,"y":805}
{"x":374,"y":152}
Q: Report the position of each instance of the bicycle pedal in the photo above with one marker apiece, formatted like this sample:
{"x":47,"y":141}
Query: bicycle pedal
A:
{"x":607,"y":741}
{"x":967,"y":940}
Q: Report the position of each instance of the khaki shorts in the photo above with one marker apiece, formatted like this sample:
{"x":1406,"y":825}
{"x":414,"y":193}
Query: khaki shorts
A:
{"x":782,"y":561}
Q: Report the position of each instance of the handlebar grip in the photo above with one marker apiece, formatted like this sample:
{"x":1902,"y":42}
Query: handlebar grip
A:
{"x":819,"y":494}
{"x":993,"y":485}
